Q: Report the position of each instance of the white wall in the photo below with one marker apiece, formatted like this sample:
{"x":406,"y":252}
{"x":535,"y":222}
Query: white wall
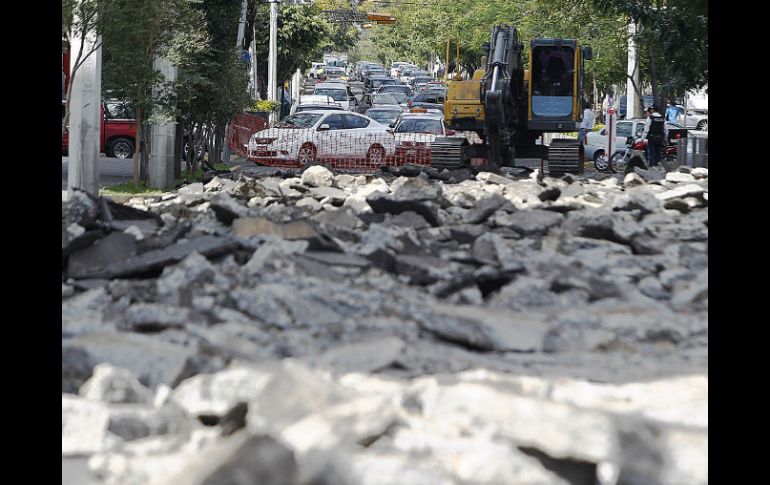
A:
{"x":698,"y":99}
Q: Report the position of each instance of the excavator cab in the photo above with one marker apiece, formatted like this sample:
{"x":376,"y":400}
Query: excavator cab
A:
{"x":510,"y":107}
{"x":554,"y":85}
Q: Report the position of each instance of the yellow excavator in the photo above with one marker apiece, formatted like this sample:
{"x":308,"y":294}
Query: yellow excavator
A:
{"x":510,"y":107}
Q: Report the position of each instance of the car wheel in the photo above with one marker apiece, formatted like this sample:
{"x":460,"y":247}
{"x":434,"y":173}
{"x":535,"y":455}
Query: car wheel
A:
{"x":618,"y":163}
{"x":198,"y":156}
{"x":600,"y":161}
{"x":703,"y":125}
{"x":375,"y":155}
{"x":120,"y":148}
{"x":307,"y":154}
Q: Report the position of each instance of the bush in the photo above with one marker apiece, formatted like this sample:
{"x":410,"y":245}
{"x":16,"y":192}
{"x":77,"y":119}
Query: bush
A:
{"x":265,"y":105}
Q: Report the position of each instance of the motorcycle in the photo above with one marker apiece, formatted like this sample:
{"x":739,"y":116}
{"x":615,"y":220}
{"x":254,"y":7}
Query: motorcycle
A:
{"x":635,"y":154}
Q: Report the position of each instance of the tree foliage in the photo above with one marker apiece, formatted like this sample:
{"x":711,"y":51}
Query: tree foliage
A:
{"x":212,"y":83}
{"x":673,"y":38}
{"x":304,"y":34}
{"x":675,"y":30}
{"x":135,"y":33}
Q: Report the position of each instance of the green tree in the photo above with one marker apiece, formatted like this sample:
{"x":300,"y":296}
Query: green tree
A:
{"x":212,"y":83}
{"x":422,"y":30}
{"x":303,"y":35}
{"x":134,"y":33}
{"x":673,"y":40}
{"x":80,"y":18}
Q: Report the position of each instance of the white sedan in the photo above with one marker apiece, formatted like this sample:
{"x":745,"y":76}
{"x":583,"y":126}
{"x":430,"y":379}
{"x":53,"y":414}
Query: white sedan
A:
{"x":325,"y":136}
{"x":596,"y":141}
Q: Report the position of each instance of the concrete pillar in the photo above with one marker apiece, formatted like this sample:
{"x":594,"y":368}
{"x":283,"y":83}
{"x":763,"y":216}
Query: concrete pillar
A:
{"x":272,"y":63}
{"x":632,"y":96}
{"x":296,"y":86}
{"x":163,"y":138}
{"x":85,"y":116}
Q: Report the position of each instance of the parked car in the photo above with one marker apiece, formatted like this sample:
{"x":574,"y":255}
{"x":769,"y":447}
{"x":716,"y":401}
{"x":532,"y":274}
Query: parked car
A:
{"x":427,"y":100}
{"x":434,"y":86}
{"x":372,"y":71}
{"x":420,"y":81}
{"x":117,"y":133}
{"x":384,"y":99}
{"x":309,"y":101}
{"x":596,"y":141}
{"x":395,"y":66}
{"x":318,"y":107}
{"x":396,"y":88}
{"x":322,"y":135}
{"x":409,"y":73}
{"x":362,"y":67}
{"x":334,"y":73}
{"x":316,"y":69}
{"x":339,"y":92}
{"x":385,"y":115}
{"x":414,"y":131}
{"x":373,"y":83}
{"x":696,"y":118}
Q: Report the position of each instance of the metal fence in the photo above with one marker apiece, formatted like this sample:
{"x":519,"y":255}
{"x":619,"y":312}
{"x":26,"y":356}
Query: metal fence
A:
{"x":693,"y":151}
{"x":344,"y":150}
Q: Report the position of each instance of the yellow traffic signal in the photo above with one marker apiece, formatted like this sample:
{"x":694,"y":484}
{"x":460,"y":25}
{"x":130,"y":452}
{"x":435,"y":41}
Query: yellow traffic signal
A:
{"x":379,"y":18}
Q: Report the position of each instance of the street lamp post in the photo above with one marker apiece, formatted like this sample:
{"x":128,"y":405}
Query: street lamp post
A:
{"x":272,"y":65}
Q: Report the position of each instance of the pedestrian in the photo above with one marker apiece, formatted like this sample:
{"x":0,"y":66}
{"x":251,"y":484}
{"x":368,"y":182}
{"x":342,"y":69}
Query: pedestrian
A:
{"x":656,"y":133}
{"x":672,"y":112}
{"x":589,"y":118}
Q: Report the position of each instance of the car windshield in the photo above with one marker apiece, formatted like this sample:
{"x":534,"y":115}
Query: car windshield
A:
{"x":300,"y":120}
{"x":335,"y":94}
{"x":376,"y":83}
{"x":119,"y":111}
{"x":422,"y":80}
{"x":396,"y":89}
{"x":382,"y":116}
{"x":383,"y":99}
{"x":417,"y":125}
{"x":399,"y":97}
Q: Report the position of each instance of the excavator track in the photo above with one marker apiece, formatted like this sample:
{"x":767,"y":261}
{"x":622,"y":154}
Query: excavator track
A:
{"x":447,"y":152}
{"x":565,"y":156}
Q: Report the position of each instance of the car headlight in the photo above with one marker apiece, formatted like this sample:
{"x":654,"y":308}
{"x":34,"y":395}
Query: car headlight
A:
{"x":264,"y":140}
{"x":287,"y":140}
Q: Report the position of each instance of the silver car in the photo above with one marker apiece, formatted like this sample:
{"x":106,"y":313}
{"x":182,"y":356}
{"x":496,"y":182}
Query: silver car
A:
{"x":696,"y":118}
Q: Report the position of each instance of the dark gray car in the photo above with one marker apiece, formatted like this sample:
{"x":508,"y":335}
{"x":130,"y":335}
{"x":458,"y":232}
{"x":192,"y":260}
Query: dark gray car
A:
{"x":384,"y":116}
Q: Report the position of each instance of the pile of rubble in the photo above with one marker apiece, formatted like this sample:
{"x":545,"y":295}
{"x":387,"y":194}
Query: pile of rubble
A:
{"x":414,"y":327}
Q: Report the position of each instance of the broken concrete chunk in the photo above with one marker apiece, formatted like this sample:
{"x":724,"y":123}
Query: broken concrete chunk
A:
{"x":488,"y":329}
{"x":317,"y":176}
{"x":154,"y":261}
{"x":115,"y":248}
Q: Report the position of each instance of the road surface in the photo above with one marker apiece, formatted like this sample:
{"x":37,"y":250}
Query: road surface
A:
{"x":111,"y":171}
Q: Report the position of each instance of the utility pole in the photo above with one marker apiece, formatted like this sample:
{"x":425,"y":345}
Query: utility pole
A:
{"x":272,"y":63}
{"x":163,"y":136}
{"x":85,"y":114}
{"x":632,"y":96}
{"x":242,"y":24}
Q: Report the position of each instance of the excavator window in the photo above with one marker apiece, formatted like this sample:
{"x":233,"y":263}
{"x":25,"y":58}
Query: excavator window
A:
{"x":552,"y":80}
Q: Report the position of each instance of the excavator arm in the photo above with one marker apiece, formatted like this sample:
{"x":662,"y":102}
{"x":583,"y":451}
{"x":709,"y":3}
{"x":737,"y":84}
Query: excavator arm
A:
{"x":503,"y":94}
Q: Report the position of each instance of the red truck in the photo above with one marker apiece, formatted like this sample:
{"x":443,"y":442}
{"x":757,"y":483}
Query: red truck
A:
{"x":118,"y":130}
